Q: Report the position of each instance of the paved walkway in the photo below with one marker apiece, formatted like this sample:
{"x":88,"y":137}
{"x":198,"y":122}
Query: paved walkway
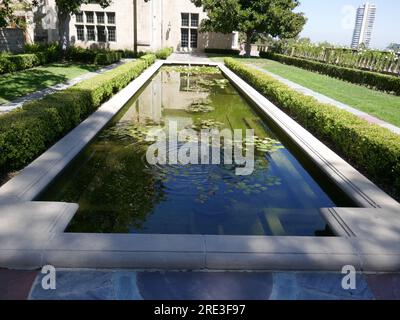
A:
{"x":324,"y":99}
{"x":131,"y":285}
{"x":139,"y":285}
{"x":58,"y":87}
{"x":189,"y":57}
{"x":16,"y":285}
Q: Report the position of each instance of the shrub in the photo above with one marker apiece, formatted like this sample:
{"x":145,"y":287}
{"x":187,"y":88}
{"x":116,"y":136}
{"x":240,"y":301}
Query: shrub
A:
{"x":45,"y":52}
{"x":163,"y":54}
{"x":375,"y":80}
{"x":34,"y":55}
{"x":107,"y":58}
{"x":149,"y":58}
{"x":33,"y":48}
{"x":78,"y":54}
{"x":24,"y":61}
{"x":130,"y":54}
{"x":371,"y":147}
{"x":38,"y":54}
{"x":5,"y":64}
{"x":363,"y":59}
{"x":12,"y":63}
{"x":27,"y":132}
{"x":222,"y":51}
{"x":99,"y":57}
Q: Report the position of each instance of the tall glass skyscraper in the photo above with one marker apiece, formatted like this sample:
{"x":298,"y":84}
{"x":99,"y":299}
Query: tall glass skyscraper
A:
{"x":364,"y":25}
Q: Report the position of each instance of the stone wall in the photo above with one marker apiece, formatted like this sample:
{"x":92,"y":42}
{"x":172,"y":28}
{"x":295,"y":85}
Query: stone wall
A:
{"x":218,"y":40}
{"x":11,"y":40}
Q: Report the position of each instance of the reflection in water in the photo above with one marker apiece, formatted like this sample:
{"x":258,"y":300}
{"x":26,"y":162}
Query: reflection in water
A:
{"x":119,"y":192}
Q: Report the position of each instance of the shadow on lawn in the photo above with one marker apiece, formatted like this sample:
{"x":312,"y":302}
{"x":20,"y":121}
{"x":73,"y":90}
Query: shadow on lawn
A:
{"x":20,"y":84}
{"x":86,"y":67}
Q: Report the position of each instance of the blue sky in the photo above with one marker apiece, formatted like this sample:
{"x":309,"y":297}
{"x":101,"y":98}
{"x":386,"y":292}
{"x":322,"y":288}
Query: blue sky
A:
{"x":333,"y":21}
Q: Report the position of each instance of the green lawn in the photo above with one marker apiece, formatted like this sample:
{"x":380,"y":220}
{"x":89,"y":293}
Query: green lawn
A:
{"x":381,"y":105}
{"x":15,"y":85}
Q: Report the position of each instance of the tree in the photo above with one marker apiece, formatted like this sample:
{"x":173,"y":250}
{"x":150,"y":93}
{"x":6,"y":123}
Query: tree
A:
{"x":7,"y":11}
{"x":65,"y":8}
{"x":304,"y":41}
{"x":326,"y":44}
{"x":393,"y":47}
{"x":272,"y":17}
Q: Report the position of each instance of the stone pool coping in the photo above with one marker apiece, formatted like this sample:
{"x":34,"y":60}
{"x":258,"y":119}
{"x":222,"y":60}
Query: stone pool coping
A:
{"x":32,"y":233}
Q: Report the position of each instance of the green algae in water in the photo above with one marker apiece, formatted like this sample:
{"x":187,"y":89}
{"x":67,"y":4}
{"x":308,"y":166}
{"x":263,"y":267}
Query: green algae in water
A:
{"x":201,"y":106}
{"x":265,"y":145}
{"x":206,"y":124}
{"x":119,"y":192}
{"x":192,"y":70}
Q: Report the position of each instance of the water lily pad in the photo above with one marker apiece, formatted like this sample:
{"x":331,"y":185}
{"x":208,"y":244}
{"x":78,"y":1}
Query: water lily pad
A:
{"x":192,"y":69}
{"x":201,"y":106}
{"x":207,"y":124}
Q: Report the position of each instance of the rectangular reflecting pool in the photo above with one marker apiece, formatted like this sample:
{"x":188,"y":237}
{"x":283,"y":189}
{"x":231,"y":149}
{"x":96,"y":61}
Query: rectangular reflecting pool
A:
{"x":118,"y":191}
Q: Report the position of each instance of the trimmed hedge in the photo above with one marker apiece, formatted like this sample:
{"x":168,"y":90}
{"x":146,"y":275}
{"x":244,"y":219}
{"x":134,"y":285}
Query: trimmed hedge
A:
{"x":81,"y":55}
{"x":35,"y":55}
{"x":369,"y":146}
{"x":163,"y":54}
{"x":375,"y":80}
{"x":39,"y":55}
{"x":27,"y":132}
{"x":13,"y":63}
{"x":107,"y":58}
{"x":100,"y":57}
{"x":222,"y":51}
{"x":45,"y":52}
{"x":149,"y":59}
{"x":130,"y":54}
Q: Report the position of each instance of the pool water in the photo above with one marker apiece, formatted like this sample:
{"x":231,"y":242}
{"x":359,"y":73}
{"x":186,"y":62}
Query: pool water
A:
{"x":119,"y":192}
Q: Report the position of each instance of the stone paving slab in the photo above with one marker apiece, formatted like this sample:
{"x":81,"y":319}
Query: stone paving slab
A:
{"x":88,"y":285}
{"x":317,"y":286}
{"x":136,"y":285}
{"x":365,"y":223}
{"x":32,"y":221}
{"x":16,"y":285}
{"x":324,"y":99}
{"x":26,"y":228}
{"x":384,"y":286}
{"x":205,"y":286}
{"x":189,"y":57}
{"x":17,"y":103}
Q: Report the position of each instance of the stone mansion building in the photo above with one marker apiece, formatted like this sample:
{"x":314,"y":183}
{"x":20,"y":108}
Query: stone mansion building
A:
{"x":160,"y":23}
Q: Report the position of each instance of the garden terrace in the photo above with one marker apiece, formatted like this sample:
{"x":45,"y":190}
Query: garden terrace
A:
{"x":368,"y":249}
{"x":27,"y":132}
{"x":378,"y":81}
{"x":375,"y":149}
{"x":19,"y":84}
{"x":382,"y":105}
